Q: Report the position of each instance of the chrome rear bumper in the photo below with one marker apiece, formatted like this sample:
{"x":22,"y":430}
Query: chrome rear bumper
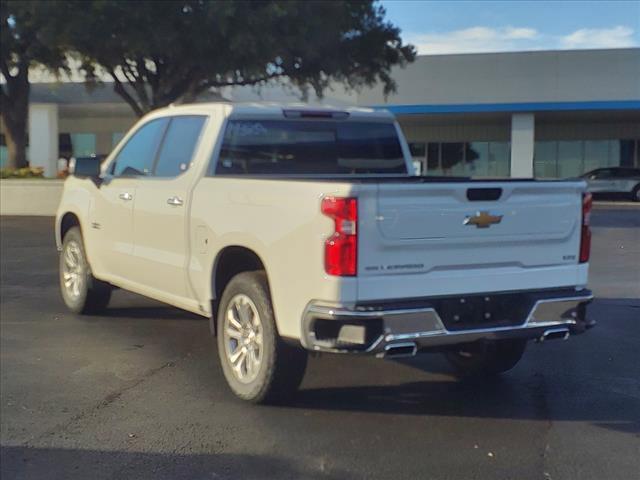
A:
{"x":378,"y":330}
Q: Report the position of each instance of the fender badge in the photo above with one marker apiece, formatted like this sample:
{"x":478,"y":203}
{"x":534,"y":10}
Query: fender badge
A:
{"x":482,"y":219}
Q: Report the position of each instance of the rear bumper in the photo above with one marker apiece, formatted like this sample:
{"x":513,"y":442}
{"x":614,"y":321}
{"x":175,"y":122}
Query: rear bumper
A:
{"x":417,"y":325}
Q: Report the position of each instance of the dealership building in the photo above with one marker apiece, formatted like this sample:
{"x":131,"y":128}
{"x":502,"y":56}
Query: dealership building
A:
{"x":549,"y":114}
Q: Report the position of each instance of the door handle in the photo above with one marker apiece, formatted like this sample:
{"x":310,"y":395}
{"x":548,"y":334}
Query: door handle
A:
{"x":125,"y":196}
{"x":175,"y":201}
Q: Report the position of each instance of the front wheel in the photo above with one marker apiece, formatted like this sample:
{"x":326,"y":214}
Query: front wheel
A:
{"x":486,"y":358}
{"x":81,"y":291}
{"x":258,"y":366}
{"x":635,"y":194}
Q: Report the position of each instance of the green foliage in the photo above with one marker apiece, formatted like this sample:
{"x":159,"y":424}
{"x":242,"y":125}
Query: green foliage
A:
{"x":31,"y":35}
{"x":167,"y":51}
{"x":25,"y":172}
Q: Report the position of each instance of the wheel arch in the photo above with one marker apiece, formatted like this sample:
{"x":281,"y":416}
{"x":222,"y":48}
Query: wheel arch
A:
{"x":229,"y":262}
{"x":66,"y":222}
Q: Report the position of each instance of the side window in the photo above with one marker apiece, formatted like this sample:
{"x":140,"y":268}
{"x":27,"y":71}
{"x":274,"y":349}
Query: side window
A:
{"x":137,"y":156}
{"x":178,"y":145}
{"x":603,"y":174}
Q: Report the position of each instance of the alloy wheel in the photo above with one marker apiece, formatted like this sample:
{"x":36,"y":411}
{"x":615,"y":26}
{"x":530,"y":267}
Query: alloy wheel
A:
{"x":243,"y":338}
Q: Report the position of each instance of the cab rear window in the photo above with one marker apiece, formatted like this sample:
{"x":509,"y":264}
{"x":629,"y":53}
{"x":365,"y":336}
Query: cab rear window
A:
{"x":309,"y":147}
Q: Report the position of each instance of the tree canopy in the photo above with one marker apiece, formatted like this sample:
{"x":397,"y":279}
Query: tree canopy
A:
{"x":29,"y":37}
{"x":171,"y":51}
{"x":160,"y":52}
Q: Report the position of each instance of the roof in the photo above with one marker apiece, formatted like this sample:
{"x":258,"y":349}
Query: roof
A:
{"x":269,"y":110}
{"x":77,"y":93}
{"x":276,"y":108}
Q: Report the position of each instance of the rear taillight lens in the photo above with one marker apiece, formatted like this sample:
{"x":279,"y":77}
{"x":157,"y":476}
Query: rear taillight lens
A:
{"x":341,"y":248}
{"x":585,"y":237}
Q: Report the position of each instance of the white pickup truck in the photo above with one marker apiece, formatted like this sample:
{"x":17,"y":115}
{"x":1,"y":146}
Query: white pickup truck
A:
{"x":299,"y":230}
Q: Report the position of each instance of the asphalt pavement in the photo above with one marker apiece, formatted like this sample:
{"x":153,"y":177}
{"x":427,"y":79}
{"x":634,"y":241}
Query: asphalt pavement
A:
{"x":137,"y":393}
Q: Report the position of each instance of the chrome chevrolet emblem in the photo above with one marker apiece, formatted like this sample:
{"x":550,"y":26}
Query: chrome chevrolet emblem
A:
{"x":482,"y":219}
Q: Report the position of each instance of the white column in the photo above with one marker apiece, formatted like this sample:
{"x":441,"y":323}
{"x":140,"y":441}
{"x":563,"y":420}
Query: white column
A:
{"x":522,"y":142}
{"x":43,"y":137}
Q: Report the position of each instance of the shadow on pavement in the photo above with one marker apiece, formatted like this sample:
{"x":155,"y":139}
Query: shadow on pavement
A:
{"x":501,"y":398}
{"x":56,"y":463}
{"x":150,"y":313}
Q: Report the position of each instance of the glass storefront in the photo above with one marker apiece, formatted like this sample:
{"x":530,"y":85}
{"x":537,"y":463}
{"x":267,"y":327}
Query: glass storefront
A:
{"x":84,"y":144}
{"x":115,"y":138}
{"x":76,"y":144}
{"x":469,"y":159}
{"x":552,"y":159}
{"x":562,"y":159}
{"x":3,"y":151}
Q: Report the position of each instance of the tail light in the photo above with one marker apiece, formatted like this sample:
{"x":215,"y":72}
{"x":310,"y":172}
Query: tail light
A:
{"x":341,"y":248}
{"x":585,"y":237}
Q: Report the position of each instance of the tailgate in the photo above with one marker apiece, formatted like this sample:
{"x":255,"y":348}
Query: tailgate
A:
{"x":434,"y":234}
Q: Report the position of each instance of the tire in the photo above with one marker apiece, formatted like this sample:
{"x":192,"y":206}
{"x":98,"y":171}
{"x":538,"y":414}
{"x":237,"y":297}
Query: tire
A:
{"x":635,"y":194}
{"x":270,"y":369}
{"x":486,"y":358}
{"x":81,"y":291}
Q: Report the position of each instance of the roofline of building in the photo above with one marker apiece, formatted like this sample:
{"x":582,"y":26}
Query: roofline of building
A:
{"x":511,"y":107}
{"x":529,"y":52}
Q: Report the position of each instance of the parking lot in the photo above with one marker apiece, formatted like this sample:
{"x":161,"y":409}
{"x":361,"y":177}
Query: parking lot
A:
{"x":137,"y":393}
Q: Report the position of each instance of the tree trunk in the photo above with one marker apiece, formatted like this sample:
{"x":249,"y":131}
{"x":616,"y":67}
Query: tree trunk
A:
{"x":16,"y":149}
{"x":15,"y":114}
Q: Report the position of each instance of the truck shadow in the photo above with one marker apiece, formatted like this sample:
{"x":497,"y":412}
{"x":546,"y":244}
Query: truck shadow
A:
{"x":160,"y":312}
{"x":514,"y":397}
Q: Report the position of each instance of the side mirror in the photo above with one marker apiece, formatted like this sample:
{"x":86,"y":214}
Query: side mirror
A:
{"x":85,"y":167}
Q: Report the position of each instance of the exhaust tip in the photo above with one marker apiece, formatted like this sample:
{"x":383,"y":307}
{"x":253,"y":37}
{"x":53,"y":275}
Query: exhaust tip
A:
{"x":554,"y":334}
{"x":400,"y":350}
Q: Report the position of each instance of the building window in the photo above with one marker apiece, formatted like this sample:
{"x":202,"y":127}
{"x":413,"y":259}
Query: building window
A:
{"x":627,"y":153}
{"x":565,"y":159}
{"x":499,"y":159}
{"x":76,"y":145}
{"x":65,"y":148}
{"x":452,"y":158}
{"x":3,"y":151}
{"x":477,"y":159}
{"x":570,"y":155}
{"x":115,"y":139}
{"x":470,"y":159}
{"x":545,"y":164}
{"x":418,"y":155}
{"x":84,"y":144}
{"x":433,"y":159}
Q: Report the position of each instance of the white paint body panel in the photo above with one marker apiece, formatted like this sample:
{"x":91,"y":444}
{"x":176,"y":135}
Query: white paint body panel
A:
{"x":169,"y":253}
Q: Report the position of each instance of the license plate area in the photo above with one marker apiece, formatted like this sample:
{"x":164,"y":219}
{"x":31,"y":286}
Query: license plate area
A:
{"x":470,"y":312}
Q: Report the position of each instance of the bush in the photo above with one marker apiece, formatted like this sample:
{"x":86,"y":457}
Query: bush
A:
{"x":26,"y":172}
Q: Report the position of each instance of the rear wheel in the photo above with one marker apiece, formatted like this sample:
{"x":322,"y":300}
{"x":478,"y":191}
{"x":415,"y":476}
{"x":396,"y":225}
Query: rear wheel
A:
{"x":486,"y":358}
{"x":258,"y":366}
{"x":81,"y":291}
{"x":635,"y":193}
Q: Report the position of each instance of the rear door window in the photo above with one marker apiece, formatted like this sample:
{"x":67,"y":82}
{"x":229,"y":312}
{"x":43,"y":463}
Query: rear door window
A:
{"x":310,"y":147}
{"x":178,"y":145}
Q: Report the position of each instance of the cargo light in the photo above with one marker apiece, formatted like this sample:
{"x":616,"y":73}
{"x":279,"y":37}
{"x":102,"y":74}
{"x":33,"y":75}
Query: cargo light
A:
{"x":337,"y":114}
{"x":341,"y":248}
{"x":585,"y":236}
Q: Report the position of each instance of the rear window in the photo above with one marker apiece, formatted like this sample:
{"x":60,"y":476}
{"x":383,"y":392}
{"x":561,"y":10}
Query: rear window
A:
{"x":309,"y":147}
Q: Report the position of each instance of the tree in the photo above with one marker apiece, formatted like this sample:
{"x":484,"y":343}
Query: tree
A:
{"x":29,"y":36}
{"x":157,"y":53}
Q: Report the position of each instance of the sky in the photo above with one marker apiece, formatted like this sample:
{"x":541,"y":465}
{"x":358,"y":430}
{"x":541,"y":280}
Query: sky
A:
{"x":465,"y":26}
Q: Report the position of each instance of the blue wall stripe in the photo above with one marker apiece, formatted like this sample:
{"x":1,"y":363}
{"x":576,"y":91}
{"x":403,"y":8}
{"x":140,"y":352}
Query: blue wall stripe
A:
{"x":511,"y":107}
